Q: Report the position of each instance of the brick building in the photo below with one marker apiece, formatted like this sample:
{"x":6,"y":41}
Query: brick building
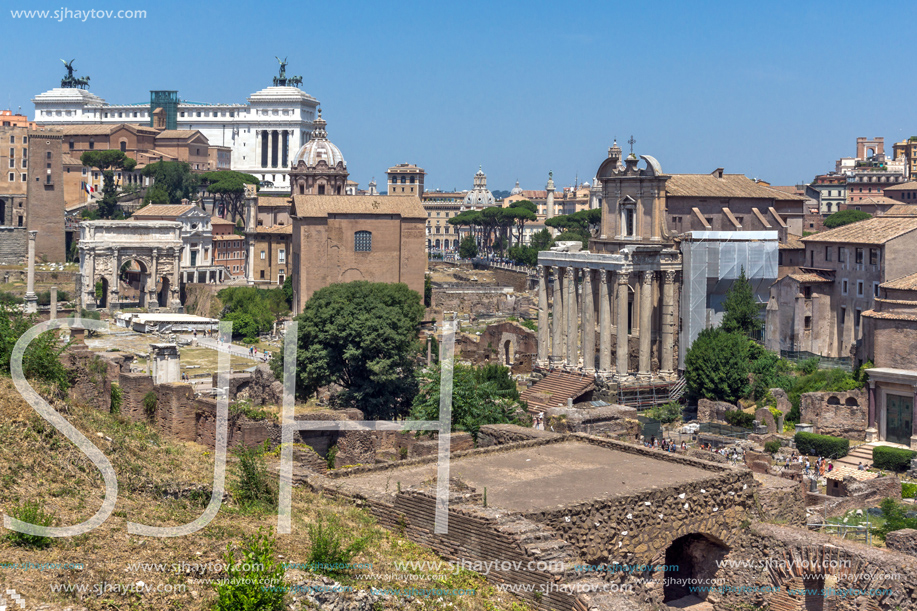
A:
{"x":907,"y":150}
{"x":359,"y":237}
{"x":905,"y":192}
{"x":228,"y":246}
{"x":270,"y":254}
{"x":45,"y":202}
{"x":405,"y":179}
{"x":818,"y":307}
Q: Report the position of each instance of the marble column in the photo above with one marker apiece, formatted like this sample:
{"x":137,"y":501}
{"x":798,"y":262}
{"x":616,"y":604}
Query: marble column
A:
{"x":53,"y":302}
{"x":646,"y":326}
{"x":113,"y":283}
{"x":621,"y":340}
{"x":572,"y":314}
{"x":176,"y":284}
{"x":89,"y":289}
{"x":914,"y":422}
{"x":153,"y":300}
{"x":667,"y":360}
{"x":557,"y":321}
{"x":31,"y":300}
{"x":604,"y":323}
{"x":588,"y":323}
{"x":542,"y":316}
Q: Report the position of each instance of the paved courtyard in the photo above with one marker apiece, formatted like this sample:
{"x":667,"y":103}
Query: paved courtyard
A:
{"x":530,"y":479}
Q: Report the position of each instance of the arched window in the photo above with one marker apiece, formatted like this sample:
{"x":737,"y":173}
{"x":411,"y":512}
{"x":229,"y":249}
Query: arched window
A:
{"x":363,"y":241}
{"x":123,"y":146}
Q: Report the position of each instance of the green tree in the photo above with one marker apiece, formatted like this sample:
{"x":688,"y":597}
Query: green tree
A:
{"x":742,"y":312}
{"x":845,"y":217}
{"x":541,"y":240}
{"x":252,"y":310}
{"x":716,"y":366}
{"x":480,"y":395}
{"x":585,"y":222}
{"x":363,"y":337}
{"x":520,"y":213}
{"x":468,"y":248}
{"x":107,"y":162}
{"x":427,"y":291}
{"x":229,"y":186}
{"x":572,"y":235}
{"x":288,"y":291}
{"x":895,"y":515}
{"x":173,"y":181}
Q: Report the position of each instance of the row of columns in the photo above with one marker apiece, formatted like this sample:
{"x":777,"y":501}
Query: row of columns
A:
{"x":275,"y":147}
{"x":573,"y":322}
{"x":114,"y":284}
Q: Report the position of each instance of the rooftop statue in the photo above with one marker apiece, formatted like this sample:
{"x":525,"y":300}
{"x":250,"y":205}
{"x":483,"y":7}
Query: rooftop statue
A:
{"x":281,"y":80}
{"x":70,"y":81}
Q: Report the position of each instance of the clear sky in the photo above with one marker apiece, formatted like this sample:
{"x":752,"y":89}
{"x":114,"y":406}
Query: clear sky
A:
{"x":774,"y":90}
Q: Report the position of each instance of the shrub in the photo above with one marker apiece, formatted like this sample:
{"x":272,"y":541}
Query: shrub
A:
{"x":808,"y":366}
{"x":825,"y":446}
{"x":254,"y":579}
{"x":716,"y":366}
{"x":253,"y":487}
{"x":739,"y":418}
{"x":328,"y":550}
{"x":117,"y":399}
{"x":330,"y":456}
{"x":892,"y":459}
{"x":895,"y":515}
{"x":666,"y":413}
{"x":7,"y":298}
{"x":150,"y":400}
{"x":32,"y":513}
{"x":772,"y":446}
{"x":845,"y":217}
{"x":908,"y":491}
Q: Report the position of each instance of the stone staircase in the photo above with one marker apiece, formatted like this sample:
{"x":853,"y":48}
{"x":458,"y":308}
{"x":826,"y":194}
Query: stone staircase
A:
{"x":861,"y":453}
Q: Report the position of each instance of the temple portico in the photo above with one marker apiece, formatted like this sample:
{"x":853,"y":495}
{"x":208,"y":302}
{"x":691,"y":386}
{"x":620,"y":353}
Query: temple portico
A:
{"x":624,"y":295}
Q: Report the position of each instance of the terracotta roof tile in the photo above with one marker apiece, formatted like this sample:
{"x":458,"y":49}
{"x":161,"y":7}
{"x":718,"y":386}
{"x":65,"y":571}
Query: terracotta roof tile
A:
{"x":792,"y":243}
{"x":904,"y":283}
{"x":275,"y":229}
{"x":904,"y":186}
{"x":842,"y":471}
{"x":877,"y":230}
{"x":900,"y":209}
{"x":808,"y":278}
{"x":162,"y":210}
{"x":889,"y":315}
{"x":733,"y":186}
{"x":554,"y":390}
{"x":216,"y":220}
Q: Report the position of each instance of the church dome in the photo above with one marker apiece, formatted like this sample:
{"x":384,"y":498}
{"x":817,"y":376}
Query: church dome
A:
{"x":517,"y":190}
{"x":319,"y":148}
{"x":480,"y":196}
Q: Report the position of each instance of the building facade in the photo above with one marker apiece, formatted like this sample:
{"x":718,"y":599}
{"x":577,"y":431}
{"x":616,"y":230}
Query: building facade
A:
{"x":262,"y":134}
{"x":819,"y":308}
{"x":196,"y":260}
{"x":906,"y":151}
{"x":358,"y":237}
{"x":405,"y":179}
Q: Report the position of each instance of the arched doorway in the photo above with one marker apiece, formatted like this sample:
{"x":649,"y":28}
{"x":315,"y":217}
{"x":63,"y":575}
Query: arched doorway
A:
{"x":508,"y":353}
{"x":163,"y":295}
{"x":133,"y":277}
{"x":689,"y":559}
{"x":102,"y":293}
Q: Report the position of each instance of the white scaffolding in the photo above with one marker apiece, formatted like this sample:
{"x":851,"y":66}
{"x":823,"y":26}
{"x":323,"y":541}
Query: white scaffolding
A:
{"x":712,"y":261}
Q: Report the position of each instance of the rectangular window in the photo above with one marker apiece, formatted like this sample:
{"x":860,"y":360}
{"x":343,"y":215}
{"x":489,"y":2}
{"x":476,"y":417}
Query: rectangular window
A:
{"x":873,"y":256}
{"x":844,"y":286}
{"x":875,"y":289}
{"x":262,"y":274}
{"x":808,"y":322}
{"x":856,"y":318}
{"x":12,"y":177}
{"x":827,"y":253}
{"x":262,"y":255}
{"x":843,"y":315}
{"x":859,"y":256}
{"x":281,"y":256}
{"x":363,"y":241}
{"x":841,"y":254}
{"x":23,"y":177}
{"x":859,"y":288}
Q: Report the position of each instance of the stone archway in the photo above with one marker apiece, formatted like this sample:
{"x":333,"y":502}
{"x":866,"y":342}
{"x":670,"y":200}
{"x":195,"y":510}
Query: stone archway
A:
{"x":105,"y":248}
{"x":691,"y":559}
{"x":133,"y":278}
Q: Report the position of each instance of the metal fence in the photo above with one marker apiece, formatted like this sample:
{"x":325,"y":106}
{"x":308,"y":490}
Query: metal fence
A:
{"x":723,"y":430}
{"x":824,"y":362}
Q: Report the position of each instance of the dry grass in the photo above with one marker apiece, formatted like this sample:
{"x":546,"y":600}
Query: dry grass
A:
{"x":38,"y":463}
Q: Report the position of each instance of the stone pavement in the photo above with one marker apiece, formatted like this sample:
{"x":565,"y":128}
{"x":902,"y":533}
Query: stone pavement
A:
{"x":233,"y":349}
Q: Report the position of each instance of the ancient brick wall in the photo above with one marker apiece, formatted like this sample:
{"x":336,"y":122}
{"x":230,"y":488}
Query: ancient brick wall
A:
{"x":841,"y":414}
{"x":506,"y":277}
{"x":779,"y":500}
{"x":501,"y":434}
{"x":904,"y":541}
{"x":777,"y":557}
{"x":490,"y":346}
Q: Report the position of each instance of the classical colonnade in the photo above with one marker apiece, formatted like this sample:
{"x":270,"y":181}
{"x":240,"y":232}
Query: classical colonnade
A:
{"x":274,"y":145}
{"x":584,"y":296}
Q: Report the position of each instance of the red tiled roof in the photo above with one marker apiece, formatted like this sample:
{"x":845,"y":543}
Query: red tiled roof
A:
{"x":555,"y":389}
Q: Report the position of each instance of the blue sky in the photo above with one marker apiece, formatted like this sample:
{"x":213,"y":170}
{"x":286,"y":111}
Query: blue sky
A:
{"x":775,"y":90}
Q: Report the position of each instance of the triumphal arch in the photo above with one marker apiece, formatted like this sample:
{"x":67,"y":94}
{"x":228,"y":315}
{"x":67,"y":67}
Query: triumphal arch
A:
{"x":140,"y":258}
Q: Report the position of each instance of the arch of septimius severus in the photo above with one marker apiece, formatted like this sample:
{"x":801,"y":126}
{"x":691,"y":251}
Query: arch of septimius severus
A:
{"x":106,"y":246}
{"x":621,"y":297}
